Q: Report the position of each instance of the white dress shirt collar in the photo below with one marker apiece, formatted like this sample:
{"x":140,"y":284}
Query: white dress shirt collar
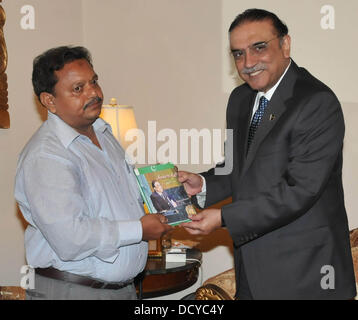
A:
{"x":67,"y":134}
{"x":268,"y":95}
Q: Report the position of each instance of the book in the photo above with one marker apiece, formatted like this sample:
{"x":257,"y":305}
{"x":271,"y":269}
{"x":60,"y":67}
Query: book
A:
{"x":163,"y":193}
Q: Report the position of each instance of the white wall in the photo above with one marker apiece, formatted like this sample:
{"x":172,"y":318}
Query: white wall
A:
{"x":55,"y":25}
{"x":167,"y":58}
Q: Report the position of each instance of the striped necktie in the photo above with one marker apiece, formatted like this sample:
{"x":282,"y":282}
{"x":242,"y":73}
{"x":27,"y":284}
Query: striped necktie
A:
{"x":256,"y":120}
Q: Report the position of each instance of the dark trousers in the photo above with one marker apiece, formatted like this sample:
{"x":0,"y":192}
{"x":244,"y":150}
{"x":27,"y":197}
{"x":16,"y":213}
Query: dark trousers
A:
{"x":243,"y":291}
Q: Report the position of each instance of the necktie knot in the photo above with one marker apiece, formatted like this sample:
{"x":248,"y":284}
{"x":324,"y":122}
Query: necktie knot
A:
{"x":263,"y":104}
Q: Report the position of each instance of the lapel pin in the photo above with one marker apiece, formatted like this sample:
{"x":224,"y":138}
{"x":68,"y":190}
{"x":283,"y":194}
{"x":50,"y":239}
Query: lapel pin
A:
{"x":272,"y":117}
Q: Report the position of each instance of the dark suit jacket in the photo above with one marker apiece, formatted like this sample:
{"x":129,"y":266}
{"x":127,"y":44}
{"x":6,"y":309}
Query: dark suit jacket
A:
{"x":288,"y":217}
{"x":159,"y":203}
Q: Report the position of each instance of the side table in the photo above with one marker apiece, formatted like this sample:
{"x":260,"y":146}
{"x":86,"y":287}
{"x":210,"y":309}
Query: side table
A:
{"x":160,"y":278}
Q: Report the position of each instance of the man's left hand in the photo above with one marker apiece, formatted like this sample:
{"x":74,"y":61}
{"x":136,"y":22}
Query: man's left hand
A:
{"x":204,"y":222}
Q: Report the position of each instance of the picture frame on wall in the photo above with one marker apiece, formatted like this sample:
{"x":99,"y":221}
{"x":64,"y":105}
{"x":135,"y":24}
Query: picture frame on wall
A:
{"x":4,"y":114}
{"x":155,"y":248}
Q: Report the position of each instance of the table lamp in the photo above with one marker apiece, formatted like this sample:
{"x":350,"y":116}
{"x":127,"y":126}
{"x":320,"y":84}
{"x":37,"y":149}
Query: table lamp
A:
{"x":121,"y":118}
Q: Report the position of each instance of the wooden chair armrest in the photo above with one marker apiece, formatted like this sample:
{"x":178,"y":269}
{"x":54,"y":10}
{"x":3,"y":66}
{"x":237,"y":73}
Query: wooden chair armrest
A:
{"x":211,"y":291}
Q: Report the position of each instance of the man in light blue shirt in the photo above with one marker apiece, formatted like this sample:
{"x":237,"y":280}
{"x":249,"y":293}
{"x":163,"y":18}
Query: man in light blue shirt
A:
{"x":87,"y":230}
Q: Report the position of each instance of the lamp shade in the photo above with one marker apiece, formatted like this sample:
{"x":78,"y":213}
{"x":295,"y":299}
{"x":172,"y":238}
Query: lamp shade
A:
{"x":121,"y":118}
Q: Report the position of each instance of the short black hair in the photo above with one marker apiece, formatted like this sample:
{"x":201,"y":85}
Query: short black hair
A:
{"x":44,"y":66}
{"x":251,"y":15}
{"x":153,"y":183}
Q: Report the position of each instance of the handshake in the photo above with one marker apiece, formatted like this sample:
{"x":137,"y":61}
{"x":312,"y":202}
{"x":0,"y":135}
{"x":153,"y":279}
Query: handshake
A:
{"x":155,"y":225}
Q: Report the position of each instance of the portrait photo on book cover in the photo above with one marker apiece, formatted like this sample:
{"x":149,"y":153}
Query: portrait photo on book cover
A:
{"x":163,"y":193}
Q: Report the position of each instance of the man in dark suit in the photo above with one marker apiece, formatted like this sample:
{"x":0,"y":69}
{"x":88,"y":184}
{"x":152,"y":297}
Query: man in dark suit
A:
{"x":160,"y":199}
{"x":287,"y":217}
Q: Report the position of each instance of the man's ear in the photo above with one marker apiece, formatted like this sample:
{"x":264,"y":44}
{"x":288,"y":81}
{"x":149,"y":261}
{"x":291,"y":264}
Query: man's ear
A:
{"x":48,"y":100}
{"x":286,"y":46}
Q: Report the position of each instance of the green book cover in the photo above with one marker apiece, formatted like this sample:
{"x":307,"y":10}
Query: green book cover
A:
{"x":163,"y":193}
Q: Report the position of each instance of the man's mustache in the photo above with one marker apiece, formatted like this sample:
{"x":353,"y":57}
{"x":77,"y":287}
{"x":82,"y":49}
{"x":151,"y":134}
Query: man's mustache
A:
{"x":258,"y":67}
{"x":92,"y":101}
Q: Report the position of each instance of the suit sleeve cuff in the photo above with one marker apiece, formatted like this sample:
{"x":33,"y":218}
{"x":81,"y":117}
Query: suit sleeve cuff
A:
{"x":201,"y":196}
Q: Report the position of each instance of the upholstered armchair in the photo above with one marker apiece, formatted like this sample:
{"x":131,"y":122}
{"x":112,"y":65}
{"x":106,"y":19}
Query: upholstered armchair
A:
{"x":222,"y":286}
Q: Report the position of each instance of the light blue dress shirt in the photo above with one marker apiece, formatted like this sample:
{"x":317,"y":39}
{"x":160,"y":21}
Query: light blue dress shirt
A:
{"x":82,"y":203}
